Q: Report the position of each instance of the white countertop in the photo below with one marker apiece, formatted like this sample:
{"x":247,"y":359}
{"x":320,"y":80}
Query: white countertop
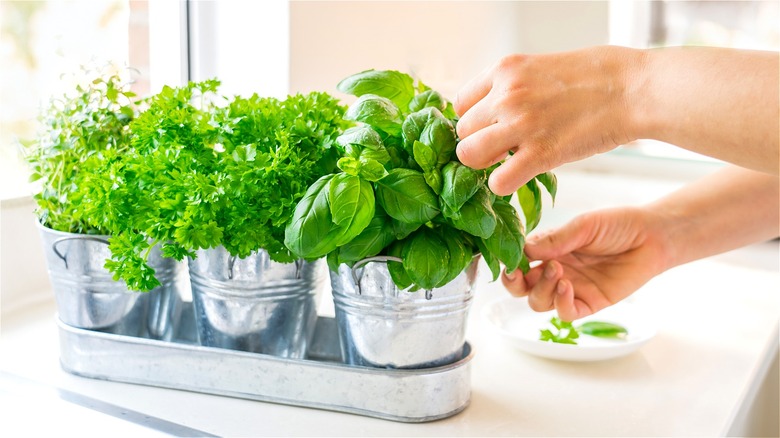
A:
{"x":717,"y":322}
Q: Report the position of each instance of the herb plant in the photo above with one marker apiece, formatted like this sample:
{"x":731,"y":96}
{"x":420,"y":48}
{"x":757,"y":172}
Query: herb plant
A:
{"x":79,"y":132}
{"x":402,"y":192}
{"x":205,"y":170}
{"x":565,"y":332}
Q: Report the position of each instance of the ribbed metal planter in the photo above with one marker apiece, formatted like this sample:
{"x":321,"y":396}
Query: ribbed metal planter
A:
{"x":382,"y":326}
{"x":255,"y":304}
{"x":88,"y":297}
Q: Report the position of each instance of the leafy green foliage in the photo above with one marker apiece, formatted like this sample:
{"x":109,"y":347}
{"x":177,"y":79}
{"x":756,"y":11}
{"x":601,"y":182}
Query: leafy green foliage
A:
{"x":563,"y":332}
{"x":567,"y":333}
{"x":205,"y":170}
{"x":80,"y":132}
{"x":430,"y":210}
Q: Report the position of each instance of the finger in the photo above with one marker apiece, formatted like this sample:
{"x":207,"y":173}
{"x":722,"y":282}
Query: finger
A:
{"x":518,"y":169}
{"x":486,"y":147}
{"x":541,"y":297}
{"x":515,"y":283}
{"x":473,"y":91}
{"x":568,"y":306}
{"x":481,"y":115}
{"x":556,"y":243}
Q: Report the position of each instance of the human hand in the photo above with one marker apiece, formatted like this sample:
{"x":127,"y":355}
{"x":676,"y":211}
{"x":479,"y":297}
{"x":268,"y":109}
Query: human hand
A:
{"x":592,"y":262}
{"x":544,"y":111}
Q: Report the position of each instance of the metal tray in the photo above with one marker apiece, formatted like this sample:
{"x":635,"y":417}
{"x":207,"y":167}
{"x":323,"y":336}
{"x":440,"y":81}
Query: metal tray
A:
{"x":321,"y":381}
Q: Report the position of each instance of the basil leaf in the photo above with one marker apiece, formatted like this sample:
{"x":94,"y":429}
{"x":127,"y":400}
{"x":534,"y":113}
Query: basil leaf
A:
{"x":351,"y":205}
{"x":530,"y":199}
{"x":363,"y":142}
{"x":308,"y":234}
{"x":349,"y":165}
{"x":427,"y":98}
{"x":550,"y":182}
{"x":370,"y":242}
{"x":406,"y":197}
{"x":459,"y":184}
{"x":508,"y":240}
{"x":414,"y":124}
{"x":603,"y":329}
{"x":377,"y":111}
{"x":440,"y":135}
{"x":397,"y":271}
{"x":425,"y":156}
{"x":434,"y":180}
{"x":390,"y":84}
{"x":426,"y":258}
{"x":476,"y":217}
{"x":401,"y":230}
{"x":490,"y":259}
{"x":366,"y":168}
{"x":460,"y":254}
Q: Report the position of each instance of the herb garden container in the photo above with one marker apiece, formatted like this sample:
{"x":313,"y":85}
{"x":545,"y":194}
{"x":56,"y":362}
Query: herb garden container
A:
{"x":255,"y":304}
{"x":383,"y":326}
{"x":88,"y":297}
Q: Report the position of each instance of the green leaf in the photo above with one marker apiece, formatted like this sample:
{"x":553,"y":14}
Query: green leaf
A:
{"x":397,"y":271}
{"x":508,"y":240}
{"x":476,"y":217}
{"x":530,"y":199}
{"x":440,"y":135}
{"x":370,"y":242}
{"x":490,"y":259}
{"x":428,"y":98}
{"x":550,"y":182}
{"x":363,"y":142}
{"x":393,"y":85}
{"x":460,"y":255}
{"x":311,"y":232}
{"x":426,"y":259}
{"x":351,"y":202}
{"x":406,"y":197}
{"x":425,"y":156}
{"x":459,"y":184}
{"x":603,"y":329}
{"x":377,"y":111}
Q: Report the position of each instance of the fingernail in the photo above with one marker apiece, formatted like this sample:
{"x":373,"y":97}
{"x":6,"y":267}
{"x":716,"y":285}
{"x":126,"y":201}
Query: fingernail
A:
{"x":560,"y":289}
{"x":550,"y":271}
{"x":510,"y":275}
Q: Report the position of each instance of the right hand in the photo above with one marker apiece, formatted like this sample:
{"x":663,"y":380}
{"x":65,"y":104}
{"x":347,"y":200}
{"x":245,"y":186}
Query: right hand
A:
{"x":546,"y":110}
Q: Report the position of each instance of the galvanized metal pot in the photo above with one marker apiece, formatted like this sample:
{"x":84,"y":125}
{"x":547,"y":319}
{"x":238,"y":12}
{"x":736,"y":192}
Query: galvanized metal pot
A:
{"x":88,"y":297}
{"x":255,"y":304}
{"x":382,"y":326}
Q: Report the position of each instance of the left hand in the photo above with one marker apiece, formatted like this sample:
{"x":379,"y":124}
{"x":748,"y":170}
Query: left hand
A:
{"x":592,"y":262}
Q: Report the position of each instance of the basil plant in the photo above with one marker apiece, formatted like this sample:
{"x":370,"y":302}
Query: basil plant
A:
{"x":401,"y":191}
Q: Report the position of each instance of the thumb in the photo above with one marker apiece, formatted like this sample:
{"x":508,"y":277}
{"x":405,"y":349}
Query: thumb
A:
{"x":557,"y":242}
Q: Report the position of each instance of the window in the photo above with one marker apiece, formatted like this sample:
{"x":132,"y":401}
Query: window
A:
{"x":43,"y":43}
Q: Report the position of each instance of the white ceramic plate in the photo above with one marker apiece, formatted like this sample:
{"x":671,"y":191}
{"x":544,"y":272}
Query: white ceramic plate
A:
{"x":517,"y":324}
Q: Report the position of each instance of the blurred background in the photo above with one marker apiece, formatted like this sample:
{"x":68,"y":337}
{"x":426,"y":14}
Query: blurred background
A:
{"x":277,"y":47}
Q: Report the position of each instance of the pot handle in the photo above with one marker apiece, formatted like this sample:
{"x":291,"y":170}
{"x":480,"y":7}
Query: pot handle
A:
{"x":64,"y":257}
{"x":368,"y":260}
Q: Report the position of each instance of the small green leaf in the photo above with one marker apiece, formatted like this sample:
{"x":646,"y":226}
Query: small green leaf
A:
{"x":530,"y":199}
{"x":390,"y":84}
{"x":603,"y":329}
{"x":377,"y":111}
{"x":550,"y":182}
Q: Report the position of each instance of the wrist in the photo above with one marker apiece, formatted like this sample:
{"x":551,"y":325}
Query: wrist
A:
{"x":638,"y":99}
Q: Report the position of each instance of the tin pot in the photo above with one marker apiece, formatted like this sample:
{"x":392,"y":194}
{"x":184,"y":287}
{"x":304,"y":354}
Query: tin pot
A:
{"x":382,"y":326}
{"x":88,"y":297}
{"x":255,"y":304}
